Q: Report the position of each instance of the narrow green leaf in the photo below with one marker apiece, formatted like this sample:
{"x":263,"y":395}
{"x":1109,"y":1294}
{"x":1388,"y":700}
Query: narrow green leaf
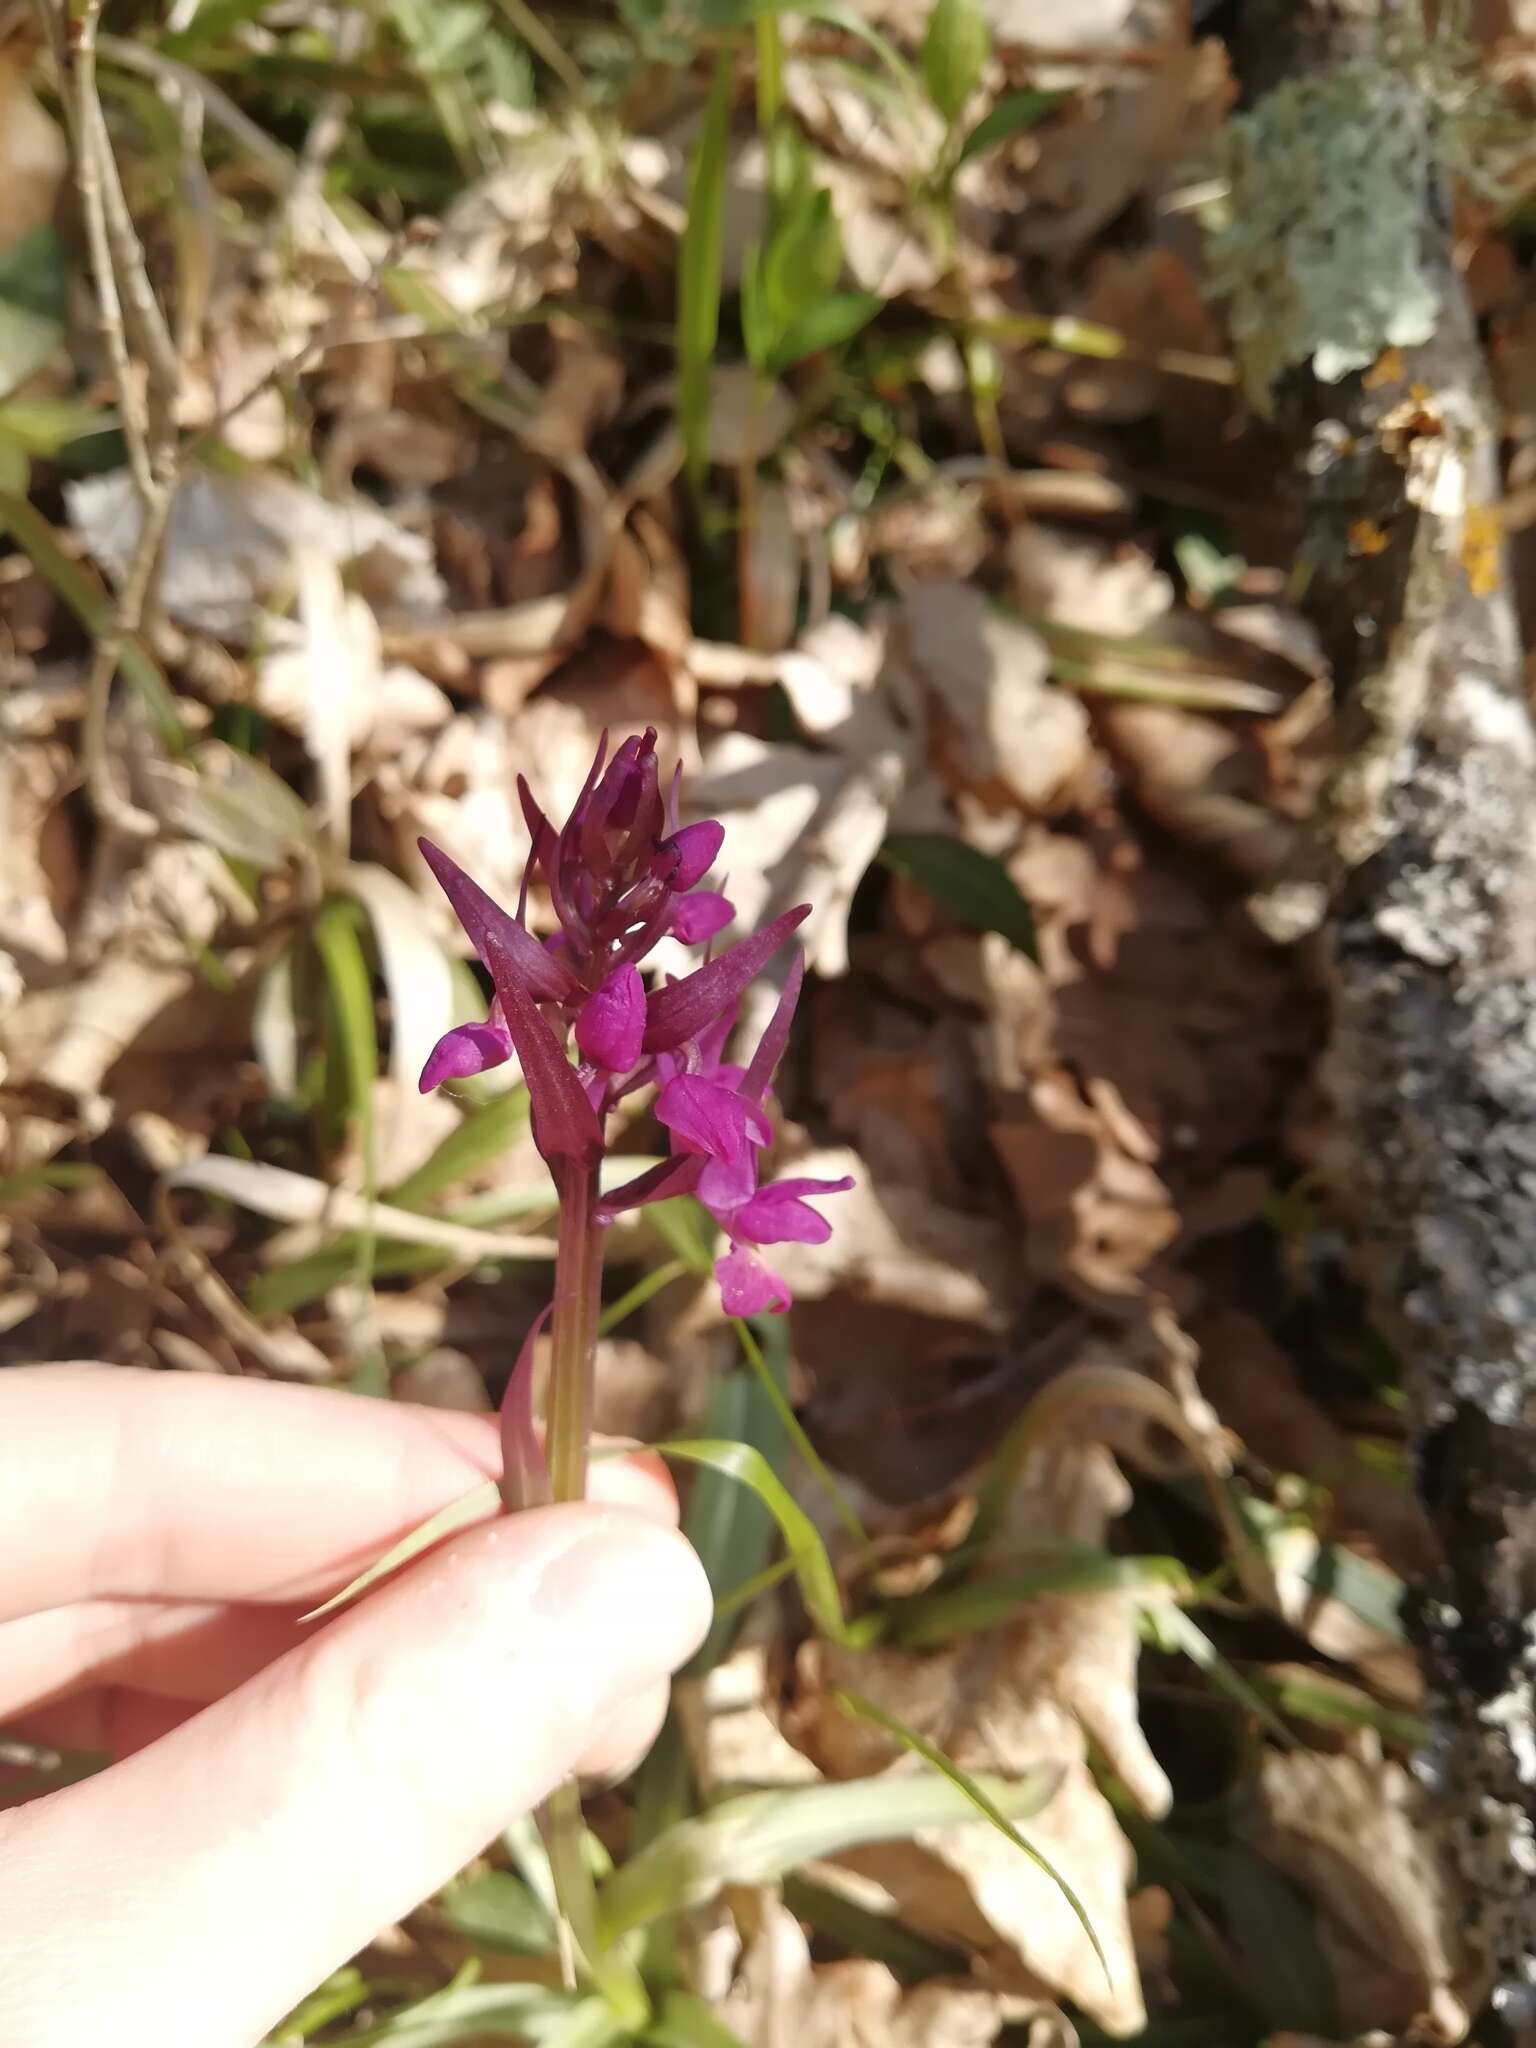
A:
{"x":42,"y":426}
{"x":977,"y":1795}
{"x":779,"y":1398}
{"x":861,"y":1931}
{"x":522,"y":2012}
{"x":729,"y":1527}
{"x":930,"y":1619}
{"x":835,"y":319}
{"x":300,"y":1281}
{"x":351,"y":990}
{"x":1014,"y":114}
{"x":686,"y":2022}
{"x":336,"y":1997}
{"x":972,"y":886}
{"x":634,"y":1298}
{"x":236,"y":804}
{"x":462,"y":1513}
{"x":476,"y":1143}
{"x":1275,"y":1933}
{"x":34,"y":298}
{"x":592,"y":2024}
{"x":813,"y":1568}
{"x":756,"y":1837}
{"x":1172,"y":1629}
{"x":31,"y":1180}
{"x":85,"y":597}
{"x":686,"y":1229}
{"x":699,"y":269}
{"x":955,"y":46}
{"x":497,"y":1911}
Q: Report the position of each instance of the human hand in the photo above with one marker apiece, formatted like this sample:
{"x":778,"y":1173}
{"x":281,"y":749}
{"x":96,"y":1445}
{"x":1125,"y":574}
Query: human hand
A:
{"x":283,"y":1791}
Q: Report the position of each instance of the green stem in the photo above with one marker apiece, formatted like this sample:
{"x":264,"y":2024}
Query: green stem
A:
{"x":573,"y":1342}
{"x":573,"y":1333}
{"x":770,"y":72}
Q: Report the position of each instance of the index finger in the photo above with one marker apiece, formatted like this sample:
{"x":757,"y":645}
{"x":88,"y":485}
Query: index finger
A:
{"x":120,"y":1483}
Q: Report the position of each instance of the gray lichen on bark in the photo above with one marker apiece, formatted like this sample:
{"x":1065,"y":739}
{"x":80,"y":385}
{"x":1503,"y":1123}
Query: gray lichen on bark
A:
{"x":1431,"y":828}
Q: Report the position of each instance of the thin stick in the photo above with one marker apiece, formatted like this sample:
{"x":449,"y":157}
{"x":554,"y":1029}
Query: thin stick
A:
{"x":130,"y":316}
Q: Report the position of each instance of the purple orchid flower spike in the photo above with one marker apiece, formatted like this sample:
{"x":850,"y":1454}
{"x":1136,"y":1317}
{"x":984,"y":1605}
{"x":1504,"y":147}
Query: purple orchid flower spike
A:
{"x":621,"y":874}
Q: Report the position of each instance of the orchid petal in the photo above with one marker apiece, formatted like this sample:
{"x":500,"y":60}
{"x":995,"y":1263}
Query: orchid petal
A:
{"x":697,"y":848}
{"x":725,"y":1185}
{"x":748,"y":1287}
{"x":565,"y":1125}
{"x":776,"y":1214}
{"x":704,"y":1116}
{"x":467,"y":1049}
{"x":764,"y":1063}
{"x":659,"y":1183}
{"x":544,"y":975}
{"x":685,"y":1008}
{"x":700,"y":916}
{"x":611,"y":1023}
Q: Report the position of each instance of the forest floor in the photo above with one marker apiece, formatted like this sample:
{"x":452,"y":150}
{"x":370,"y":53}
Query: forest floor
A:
{"x":954,"y":564}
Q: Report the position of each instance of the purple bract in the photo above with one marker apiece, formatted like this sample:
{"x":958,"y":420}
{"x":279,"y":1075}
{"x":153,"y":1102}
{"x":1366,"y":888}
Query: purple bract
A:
{"x":621,"y":875}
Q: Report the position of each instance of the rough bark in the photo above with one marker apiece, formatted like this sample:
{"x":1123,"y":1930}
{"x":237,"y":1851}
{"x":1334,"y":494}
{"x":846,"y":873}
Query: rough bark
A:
{"x":1431,"y":836}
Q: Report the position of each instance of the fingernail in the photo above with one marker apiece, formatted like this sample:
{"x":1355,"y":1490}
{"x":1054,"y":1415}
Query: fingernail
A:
{"x":638,"y":1584}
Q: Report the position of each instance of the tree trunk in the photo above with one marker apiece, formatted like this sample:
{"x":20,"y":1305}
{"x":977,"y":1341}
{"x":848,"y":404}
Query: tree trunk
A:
{"x":1430,"y":837}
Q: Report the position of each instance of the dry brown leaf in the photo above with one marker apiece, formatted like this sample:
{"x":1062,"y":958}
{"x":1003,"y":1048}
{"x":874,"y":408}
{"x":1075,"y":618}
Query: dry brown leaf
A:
{"x":232,"y":541}
{"x":64,"y":1039}
{"x":33,"y":152}
{"x":803,"y":827}
{"x":1255,"y":1389}
{"x":895,"y":1246}
{"x":1151,"y":122}
{"x":373,"y":706}
{"x":1355,"y":1832}
{"x":1013,"y":1700}
{"x":1098,"y":1214}
{"x":780,"y":1999}
{"x":1077,"y":580}
{"x":39,"y":867}
{"x":1001,"y":729}
{"x":1197,"y":778}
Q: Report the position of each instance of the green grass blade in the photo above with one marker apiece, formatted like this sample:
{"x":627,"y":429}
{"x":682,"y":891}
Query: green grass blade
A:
{"x":813,"y":1568}
{"x":1015,"y":114}
{"x":685,"y":2022}
{"x":791,"y":1425}
{"x":462,"y":1513}
{"x":636,"y":1297}
{"x":91,"y":605}
{"x":975,"y":887}
{"x":729,"y":1527}
{"x":755,"y":1838}
{"x":469,"y":1148}
{"x":496,"y":1910}
{"x":699,"y":267}
{"x":930,"y":1619}
{"x":977,"y":1795}
{"x":860,"y":1931}
{"x":351,"y":991}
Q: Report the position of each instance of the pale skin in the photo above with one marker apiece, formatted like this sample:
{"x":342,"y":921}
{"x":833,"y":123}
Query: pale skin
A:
{"x":284,"y":1790}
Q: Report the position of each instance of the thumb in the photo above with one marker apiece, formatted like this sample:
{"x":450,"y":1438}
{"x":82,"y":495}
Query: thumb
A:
{"x":240,"y":1859}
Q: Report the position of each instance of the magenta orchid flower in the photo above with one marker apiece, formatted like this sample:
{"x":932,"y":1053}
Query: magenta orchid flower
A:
{"x":622,"y":874}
